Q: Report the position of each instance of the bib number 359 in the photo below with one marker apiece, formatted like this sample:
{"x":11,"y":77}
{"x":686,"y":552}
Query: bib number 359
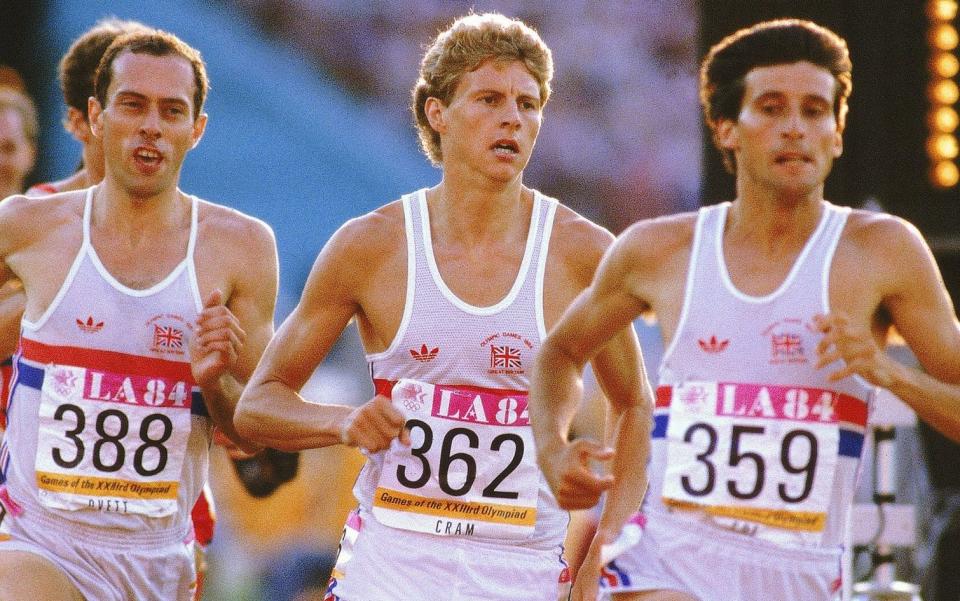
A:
{"x":750,"y":448}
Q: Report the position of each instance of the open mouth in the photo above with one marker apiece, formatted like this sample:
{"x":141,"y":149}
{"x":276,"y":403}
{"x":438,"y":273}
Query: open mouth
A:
{"x":792,"y":157}
{"x":505,"y":146}
{"x":148,"y":158}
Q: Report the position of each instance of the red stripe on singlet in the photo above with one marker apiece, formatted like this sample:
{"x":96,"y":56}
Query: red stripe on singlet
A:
{"x":850,"y":410}
{"x":44,"y":188}
{"x":109,"y":361}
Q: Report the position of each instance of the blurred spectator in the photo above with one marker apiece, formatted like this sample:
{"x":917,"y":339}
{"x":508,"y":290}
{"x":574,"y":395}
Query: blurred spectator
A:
{"x":18,"y":133}
{"x":10,"y":78}
{"x":18,"y":154}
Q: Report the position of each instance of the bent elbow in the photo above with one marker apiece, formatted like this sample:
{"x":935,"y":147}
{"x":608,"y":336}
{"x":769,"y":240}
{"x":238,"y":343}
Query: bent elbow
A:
{"x":247,"y":422}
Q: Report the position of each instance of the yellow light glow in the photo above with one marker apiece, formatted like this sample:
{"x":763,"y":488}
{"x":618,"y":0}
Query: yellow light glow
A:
{"x":945,"y":65}
{"x":945,"y":174}
{"x":944,"y":37}
{"x":942,"y":146}
{"x":944,"y":91}
{"x":943,"y":119}
{"x":942,"y":10}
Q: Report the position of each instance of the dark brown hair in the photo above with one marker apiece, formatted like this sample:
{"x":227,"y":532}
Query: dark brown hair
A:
{"x":79,"y":65}
{"x":155,"y":43}
{"x":779,"y":42}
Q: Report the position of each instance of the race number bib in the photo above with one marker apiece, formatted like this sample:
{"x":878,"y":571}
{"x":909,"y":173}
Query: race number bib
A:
{"x":111,"y":442}
{"x":753,"y":453}
{"x":471,"y":469}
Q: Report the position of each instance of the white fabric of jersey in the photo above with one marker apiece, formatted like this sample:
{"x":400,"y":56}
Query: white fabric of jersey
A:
{"x":465,"y":370}
{"x":750,"y":440}
{"x":120,"y":425}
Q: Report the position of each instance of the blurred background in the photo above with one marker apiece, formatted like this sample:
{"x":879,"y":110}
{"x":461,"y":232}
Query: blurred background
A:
{"x":310,"y":126}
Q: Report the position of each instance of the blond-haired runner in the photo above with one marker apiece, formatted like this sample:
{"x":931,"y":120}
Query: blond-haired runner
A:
{"x":453,"y":289}
{"x":774,"y":308}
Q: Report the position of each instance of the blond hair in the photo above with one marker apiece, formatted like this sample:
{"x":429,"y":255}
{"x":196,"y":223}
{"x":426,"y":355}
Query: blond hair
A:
{"x":465,"y":46}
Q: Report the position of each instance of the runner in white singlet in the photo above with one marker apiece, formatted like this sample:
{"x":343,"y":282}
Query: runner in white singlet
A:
{"x":76,"y":73}
{"x":131,"y":351}
{"x":453,"y":289}
{"x":774,"y":310}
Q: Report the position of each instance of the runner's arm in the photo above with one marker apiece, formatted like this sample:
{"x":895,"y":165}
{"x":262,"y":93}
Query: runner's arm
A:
{"x":271,"y":410}
{"x":232,"y":332}
{"x":12,"y":297}
{"x":596,"y":324}
{"x":12,"y":301}
{"x":920,"y":308}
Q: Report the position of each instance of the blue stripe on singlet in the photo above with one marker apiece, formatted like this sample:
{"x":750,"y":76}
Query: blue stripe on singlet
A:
{"x":4,"y":465}
{"x":613,"y":576}
{"x":31,"y":376}
{"x":660,"y":425}
{"x":851,"y":443}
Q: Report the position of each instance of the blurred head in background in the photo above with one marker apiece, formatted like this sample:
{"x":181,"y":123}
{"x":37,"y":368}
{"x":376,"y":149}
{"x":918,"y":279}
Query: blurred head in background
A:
{"x":77,"y":69}
{"x":18,"y":133}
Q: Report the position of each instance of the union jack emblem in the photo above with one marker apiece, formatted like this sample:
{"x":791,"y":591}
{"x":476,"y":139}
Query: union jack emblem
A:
{"x":167,"y":337}
{"x":504,"y":357}
{"x":787,"y":344}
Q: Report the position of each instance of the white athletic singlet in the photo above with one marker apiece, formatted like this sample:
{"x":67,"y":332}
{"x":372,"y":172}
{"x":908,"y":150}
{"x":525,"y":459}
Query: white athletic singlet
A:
{"x":461,"y":375}
{"x":107,"y":428}
{"x":749,"y":436}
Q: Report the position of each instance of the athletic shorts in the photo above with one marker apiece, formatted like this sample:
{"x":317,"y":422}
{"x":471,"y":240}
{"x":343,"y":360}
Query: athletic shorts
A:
{"x":106,"y":567}
{"x":716,"y":565}
{"x":379,"y":563}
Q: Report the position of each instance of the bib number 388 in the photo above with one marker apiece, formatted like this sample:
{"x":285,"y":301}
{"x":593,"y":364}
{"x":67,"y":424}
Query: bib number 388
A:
{"x":111,"y":441}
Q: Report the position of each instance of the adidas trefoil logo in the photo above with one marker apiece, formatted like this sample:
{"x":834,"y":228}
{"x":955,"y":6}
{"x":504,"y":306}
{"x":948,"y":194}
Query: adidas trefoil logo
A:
{"x":89,"y":326}
{"x":713,"y":345}
{"x":424,"y":355}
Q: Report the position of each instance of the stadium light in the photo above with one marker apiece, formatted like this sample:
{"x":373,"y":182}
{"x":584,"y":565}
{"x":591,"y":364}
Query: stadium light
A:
{"x":942,"y":10}
{"x":945,"y":65}
{"x":943,"y":93}
{"x":946,"y":173}
{"x":943,"y":119}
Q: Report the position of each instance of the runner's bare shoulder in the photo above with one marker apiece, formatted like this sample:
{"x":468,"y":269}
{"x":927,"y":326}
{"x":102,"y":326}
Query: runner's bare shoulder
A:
{"x":25,"y":220}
